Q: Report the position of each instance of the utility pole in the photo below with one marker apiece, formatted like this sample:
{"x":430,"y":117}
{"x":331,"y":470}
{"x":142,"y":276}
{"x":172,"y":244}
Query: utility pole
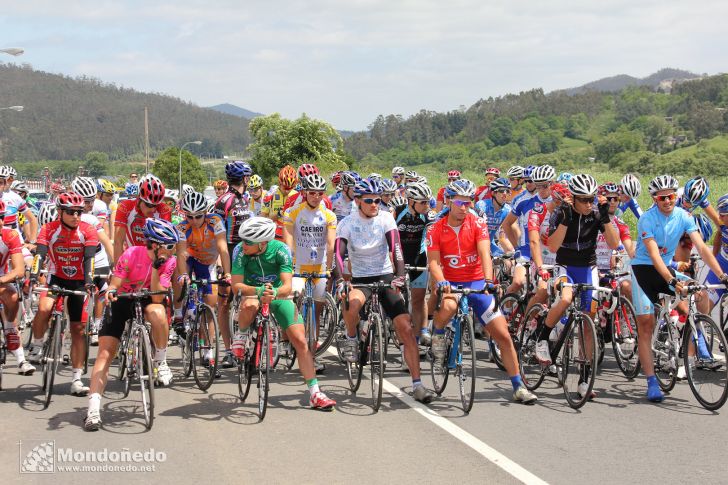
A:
{"x":146,"y":137}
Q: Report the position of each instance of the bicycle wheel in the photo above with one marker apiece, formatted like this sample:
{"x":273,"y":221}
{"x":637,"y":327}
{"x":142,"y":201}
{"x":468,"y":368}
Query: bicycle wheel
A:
{"x":204,"y":364}
{"x":121,"y":355}
{"x":707,"y":371}
{"x":188,"y":355}
{"x":275,"y":338}
{"x":87,"y":335}
{"x":580,"y":355}
{"x":263,"y":360}
{"x":3,"y":357}
{"x":600,"y":344}
{"x":130,"y":364}
{"x":376,"y":358}
{"x":310,"y":326}
{"x":51,"y":358}
{"x":531,"y":371}
{"x":466,"y":366}
{"x":244,"y":377}
{"x":145,"y":374}
{"x":624,"y":338}
{"x":440,"y":371}
{"x":665,"y":347}
{"x":327,"y":324}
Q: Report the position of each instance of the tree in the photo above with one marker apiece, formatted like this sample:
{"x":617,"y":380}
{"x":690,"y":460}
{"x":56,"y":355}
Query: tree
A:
{"x":501,"y":132}
{"x":278,"y":142}
{"x":96,"y":163}
{"x":166,"y":167}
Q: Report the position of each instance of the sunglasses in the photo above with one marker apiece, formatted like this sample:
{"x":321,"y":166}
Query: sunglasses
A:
{"x":666,"y":198}
{"x":612,"y":199}
{"x":148,"y":205}
{"x":89,"y":201}
{"x":453,"y":179}
{"x":502,"y":191}
{"x":168,"y":247}
{"x":543,"y":186}
{"x":372,"y":201}
{"x":422,"y":202}
{"x":463,"y":203}
{"x":528,"y":181}
{"x":73,"y":212}
{"x":584,"y":200}
{"x":248,"y":243}
{"x":318,"y":193}
{"x":513,"y":178}
{"x":195,"y":217}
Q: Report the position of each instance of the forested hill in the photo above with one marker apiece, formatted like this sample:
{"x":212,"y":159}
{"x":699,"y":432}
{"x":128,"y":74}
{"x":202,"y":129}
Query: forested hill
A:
{"x":637,"y":128}
{"x":66,"y":118}
{"x":618,"y":83}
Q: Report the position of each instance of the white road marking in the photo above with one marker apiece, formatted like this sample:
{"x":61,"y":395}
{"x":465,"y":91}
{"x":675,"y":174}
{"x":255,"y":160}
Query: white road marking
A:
{"x":483,"y":449}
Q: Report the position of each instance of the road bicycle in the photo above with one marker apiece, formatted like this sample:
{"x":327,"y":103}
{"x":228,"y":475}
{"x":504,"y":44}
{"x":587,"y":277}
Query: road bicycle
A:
{"x":200,"y":348}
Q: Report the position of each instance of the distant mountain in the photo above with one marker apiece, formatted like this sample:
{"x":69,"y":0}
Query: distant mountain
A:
{"x":621,"y":81}
{"x":231,"y":109}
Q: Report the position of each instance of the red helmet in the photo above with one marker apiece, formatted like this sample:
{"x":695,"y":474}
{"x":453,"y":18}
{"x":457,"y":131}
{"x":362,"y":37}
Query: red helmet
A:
{"x":307,"y":169}
{"x":609,"y":188}
{"x":56,"y":187}
{"x":560,"y":191}
{"x":336,"y":178}
{"x":453,"y":174}
{"x":287,"y":177}
{"x":2,"y":207}
{"x":151,"y":190}
{"x":493,"y":171}
{"x":69,"y":200}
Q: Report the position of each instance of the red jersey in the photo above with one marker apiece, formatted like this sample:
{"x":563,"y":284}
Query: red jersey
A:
{"x":9,"y":244}
{"x":66,"y":247}
{"x":131,"y":219}
{"x":298,"y":198}
{"x":482,"y":193}
{"x":441,"y":195}
{"x":458,"y":250}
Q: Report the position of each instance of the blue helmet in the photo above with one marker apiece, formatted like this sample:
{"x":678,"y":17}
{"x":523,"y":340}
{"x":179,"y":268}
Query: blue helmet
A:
{"x":704,"y":226}
{"x":463,"y":187}
{"x":237,"y":169}
{"x":564,"y":177}
{"x":528,"y":171}
{"x":500,"y":184}
{"x":349,"y":179}
{"x":696,"y":190}
{"x":132,"y":190}
{"x":722,"y":205}
{"x":368,"y":186}
{"x":160,"y":231}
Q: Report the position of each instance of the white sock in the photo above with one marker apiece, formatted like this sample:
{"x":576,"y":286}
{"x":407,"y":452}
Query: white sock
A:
{"x":37,"y":341}
{"x":94,"y":402}
{"x":19,"y":354}
{"x":77,"y":374}
{"x":9,"y":325}
{"x":160,"y":355}
{"x":314,"y":389}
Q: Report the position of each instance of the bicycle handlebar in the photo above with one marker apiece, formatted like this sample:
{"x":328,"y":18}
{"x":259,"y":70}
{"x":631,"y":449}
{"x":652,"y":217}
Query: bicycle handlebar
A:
{"x":408,"y":268}
{"x":307,"y":274}
{"x":459,"y":290}
{"x":136,"y":295}
{"x":53,"y":289}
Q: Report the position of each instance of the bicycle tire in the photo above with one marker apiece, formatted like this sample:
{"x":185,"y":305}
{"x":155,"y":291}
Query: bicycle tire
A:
{"x":601,"y":344}
{"x":208,"y":339}
{"x":275,"y":337}
{"x":466,"y":364}
{"x":145,"y":375}
{"x":439,"y":373}
{"x":310,"y":327}
{"x":51,"y":357}
{"x":87,"y":335}
{"x":3,"y":357}
{"x":531,"y":371}
{"x":623,"y":318}
{"x":664,"y":354}
{"x":575,"y":351}
{"x":263,"y":358}
{"x":187,"y":354}
{"x":327,"y":324}
{"x":243,"y":377}
{"x":376,"y":358}
{"x":121,"y":355}
{"x":708,"y":383}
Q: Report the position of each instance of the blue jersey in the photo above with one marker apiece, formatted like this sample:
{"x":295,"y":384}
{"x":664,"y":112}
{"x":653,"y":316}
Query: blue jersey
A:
{"x":521,"y":210}
{"x":494,"y":218}
{"x":522,"y":196}
{"x":665,"y":230}
{"x":632,"y":205}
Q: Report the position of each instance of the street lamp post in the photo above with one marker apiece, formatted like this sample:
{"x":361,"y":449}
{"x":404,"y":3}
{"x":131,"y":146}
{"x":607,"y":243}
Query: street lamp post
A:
{"x":14,"y":108}
{"x":13,"y":51}
{"x":197,"y":142}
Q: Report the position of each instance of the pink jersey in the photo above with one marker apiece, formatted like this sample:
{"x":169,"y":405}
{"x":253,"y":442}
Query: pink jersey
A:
{"x":135,"y":267}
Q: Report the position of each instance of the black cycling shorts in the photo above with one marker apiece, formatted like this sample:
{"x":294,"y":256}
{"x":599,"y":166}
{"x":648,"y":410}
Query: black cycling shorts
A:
{"x":391,"y":300}
{"x":651,"y":282}
{"x":74,"y":303}
{"x":114,"y":321}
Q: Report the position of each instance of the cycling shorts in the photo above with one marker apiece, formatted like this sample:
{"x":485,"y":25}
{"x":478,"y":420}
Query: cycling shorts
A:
{"x":74,"y":303}
{"x":390,"y":299}
{"x":420,"y":282}
{"x":647,"y":284}
{"x":284,"y":312}
{"x":712,"y":279}
{"x":483,"y":305}
{"x":319,"y":284}
{"x":201,"y":271}
{"x":116,"y":316}
{"x":100,"y":280}
{"x":579,"y":274}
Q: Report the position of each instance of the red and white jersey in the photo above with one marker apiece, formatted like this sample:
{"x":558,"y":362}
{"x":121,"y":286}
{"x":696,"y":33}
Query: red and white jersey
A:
{"x":14,"y":205}
{"x":9,"y":244}
{"x":539,"y":219}
{"x":102,"y":259}
{"x":66,"y":247}
{"x":604,"y":254}
{"x":132,"y":220}
{"x":458,"y":247}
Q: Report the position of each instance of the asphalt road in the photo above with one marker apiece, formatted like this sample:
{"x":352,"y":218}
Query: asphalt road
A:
{"x":205,"y":436}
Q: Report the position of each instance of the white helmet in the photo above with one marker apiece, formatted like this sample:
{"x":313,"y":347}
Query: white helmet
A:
{"x":171,"y":194}
{"x":47,"y":213}
{"x":662,"y":182}
{"x":375,"y":176}
{"x":515,"y":172}
{"x":411,"y":174}
{"x":85,"y":187}
{"x":398,"y":171}
{"x":194,"y":203}
{"x":631,"y":186}
{"x":463,"y":187}
{"x":13,"y":173}
{"x":418,"y":191}
{"x":583,"y":184}
{"x":19,"y":186}
{"x":543,"y":173}
{"x":257,"y":230}
{"x":4,"y":171}
{"x":186,"y":189}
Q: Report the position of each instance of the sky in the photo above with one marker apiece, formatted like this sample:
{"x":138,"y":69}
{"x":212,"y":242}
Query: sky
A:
{"x":348,"y":61}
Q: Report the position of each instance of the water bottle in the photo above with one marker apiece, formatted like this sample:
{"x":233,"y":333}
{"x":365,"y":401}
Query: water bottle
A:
{"x":603,"y":313}
{"x":238,"y":345}
{"x":556,"y":331}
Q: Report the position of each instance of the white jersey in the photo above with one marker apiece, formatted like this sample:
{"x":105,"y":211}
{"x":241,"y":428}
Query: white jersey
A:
{"x":101,"y":260}
{"x":341,"y":206}
{"x":367,"y":243}
{"x":101,"y":210}
{"x":14,"y":205}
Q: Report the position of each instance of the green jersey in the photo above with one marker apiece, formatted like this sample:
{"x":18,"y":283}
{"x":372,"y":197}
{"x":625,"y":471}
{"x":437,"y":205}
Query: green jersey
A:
{"x":266,"y":267}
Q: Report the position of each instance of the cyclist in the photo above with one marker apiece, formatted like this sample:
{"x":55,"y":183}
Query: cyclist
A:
{"x":659,"y":231}
{"x":220,"y":187}
{"x":494,"y":211}
{"x":133,"y":180}
{"x":148,"y":267}
{"x":452,"y":176}
{"x":410,"y":176}
{"x":234,"y":208}
{"x":132,"y":213}
{"x":375,"y":254}
{"x":483,"y":191}
{"x":298,"y":198}
{"x":71,"y":244}
{"x":106,"y":196}
{"x":263,"y":267}
{"x":412,"y":221}
{"x":201,"y":243}
{"x":458,"y":252}
{"x":12,"y":267}
{"x":564,"y":178}
{"x":693,"y":196}
{"x":720,"y":250}
{"x":515,"y":178}
{"x":343,"y":201}
{"x":14,"y":206}
{"x":23,"y":224}
{"x":273,"y":209}
{"x":389,"y":189}
{"x":398,"y":177}
{"x":255,"y":189}
{"x":612,"y":192}
{"x":529,"y":185}
{"x":631,"y":190}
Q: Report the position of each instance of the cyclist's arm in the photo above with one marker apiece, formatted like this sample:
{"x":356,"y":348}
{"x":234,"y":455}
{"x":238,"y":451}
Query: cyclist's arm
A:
{"x":108,"y":247}
{"x":705,"y":253}
{"x":33,"y":223}
{"x":534,"y":240}
{"x":182,"y":256}
{"x":119,"y":236}
{"x":340,"y":250}
{"x":509,"y":227}
{"x":395,"y":249}
{"x":41,"y":251}
{"x":634,"y":206}
{"x":654,"y":252}
{"x":222,"y":250}
{"x":712,"y":214}
{"x":288,"y":238}
{"x":629,"y":246}
{"x":611,"y":235}
{"x":89,"y":257}
{"x":330,"y":243}
{"x":717,"y":242}
{"x":18,"y":271}
{"x":285,"y":289}
{"x":433,"y":263}
{"x":483,"y":247}
{"x":556,"y":238}
{"x":505,"y":243}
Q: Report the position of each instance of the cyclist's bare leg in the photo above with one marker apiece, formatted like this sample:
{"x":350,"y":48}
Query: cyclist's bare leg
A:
{"x":519,"y":280}
{"x":246,"y":315}
{"x":156,"y":314}
{"x":351,"y":316}
{"x":403,"y":327}
{"x":297,"y":336}
{"x":418,"y":308}
{"x":498,"y":329}
{"x":108,"y":347}
{"x":223,"y":310}
{"x":645,"y":327}
{"x":448,"y":307}
{"x":559,"y":307}
{"x":40,"y":320}
{"x":9,"y":298}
